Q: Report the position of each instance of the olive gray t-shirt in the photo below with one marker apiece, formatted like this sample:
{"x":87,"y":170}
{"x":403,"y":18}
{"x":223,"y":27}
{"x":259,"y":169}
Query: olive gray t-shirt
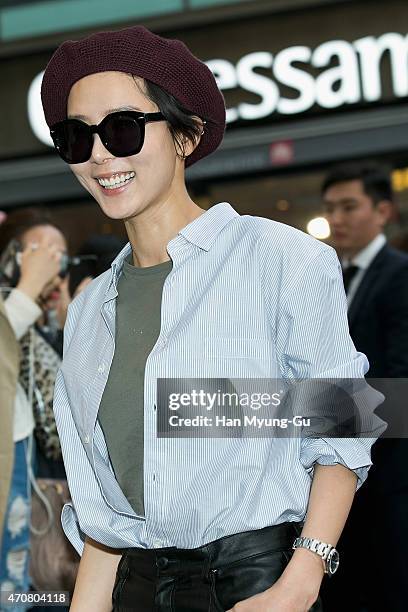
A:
{"x":121,"y":412}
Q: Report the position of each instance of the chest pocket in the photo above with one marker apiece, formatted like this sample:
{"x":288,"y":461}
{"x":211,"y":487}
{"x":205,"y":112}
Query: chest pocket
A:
{"x":235,"y":357}
{"x":234,"y":347}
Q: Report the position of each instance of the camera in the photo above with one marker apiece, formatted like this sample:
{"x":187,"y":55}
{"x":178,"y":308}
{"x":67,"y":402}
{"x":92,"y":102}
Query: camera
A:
{"x":10,"y":262}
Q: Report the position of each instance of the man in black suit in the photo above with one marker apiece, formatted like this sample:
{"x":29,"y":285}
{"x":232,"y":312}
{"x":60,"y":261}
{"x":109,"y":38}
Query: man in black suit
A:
{"x":373,"y":573}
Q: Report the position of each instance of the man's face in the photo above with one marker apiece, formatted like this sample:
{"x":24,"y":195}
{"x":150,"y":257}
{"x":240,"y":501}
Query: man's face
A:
{"x":353,"y":217}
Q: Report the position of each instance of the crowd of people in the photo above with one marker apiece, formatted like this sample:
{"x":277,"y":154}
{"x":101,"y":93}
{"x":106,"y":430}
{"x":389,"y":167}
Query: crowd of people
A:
{"x":358,"y":201}
{"x":36,"y":289}
{"x":232,"y":524}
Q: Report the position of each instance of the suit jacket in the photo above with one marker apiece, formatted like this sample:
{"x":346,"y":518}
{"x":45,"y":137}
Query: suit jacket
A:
{"x":9,"y":366}
{"x":378,"y":320}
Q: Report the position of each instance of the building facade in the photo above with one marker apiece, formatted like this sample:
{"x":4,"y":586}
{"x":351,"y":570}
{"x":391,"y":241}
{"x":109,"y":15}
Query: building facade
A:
{"x":306,"y":84}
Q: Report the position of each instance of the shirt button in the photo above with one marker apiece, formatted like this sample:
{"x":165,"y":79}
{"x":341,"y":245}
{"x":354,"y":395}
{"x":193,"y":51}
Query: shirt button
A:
{"x":163,"y":342}
{"x":86,"y":439}
{"x":157,"y":543}
{"x":101,"y":368}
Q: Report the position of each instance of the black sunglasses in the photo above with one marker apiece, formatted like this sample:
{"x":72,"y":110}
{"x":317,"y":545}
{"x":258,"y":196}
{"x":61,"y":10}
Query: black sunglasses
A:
{"x":122,"y":134}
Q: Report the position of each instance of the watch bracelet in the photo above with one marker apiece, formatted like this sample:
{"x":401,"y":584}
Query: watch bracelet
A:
{"x":322,"y":549}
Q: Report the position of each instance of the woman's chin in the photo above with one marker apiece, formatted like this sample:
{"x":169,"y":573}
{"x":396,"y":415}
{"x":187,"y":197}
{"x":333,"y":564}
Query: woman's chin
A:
{"x":117,"y":210}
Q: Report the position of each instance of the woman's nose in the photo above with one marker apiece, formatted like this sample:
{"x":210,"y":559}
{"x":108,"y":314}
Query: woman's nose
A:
{"x":99,"y":152}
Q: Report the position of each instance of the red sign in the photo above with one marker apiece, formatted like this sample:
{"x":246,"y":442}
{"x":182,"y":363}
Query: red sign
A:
{"x":282,"y":153}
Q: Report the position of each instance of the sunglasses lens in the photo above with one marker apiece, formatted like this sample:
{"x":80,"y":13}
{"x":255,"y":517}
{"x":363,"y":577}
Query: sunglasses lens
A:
{"x":123,"y":135}
{"x":73,"y":141}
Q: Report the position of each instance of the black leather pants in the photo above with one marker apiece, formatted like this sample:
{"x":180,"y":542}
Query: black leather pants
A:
{"x":211,"y":578}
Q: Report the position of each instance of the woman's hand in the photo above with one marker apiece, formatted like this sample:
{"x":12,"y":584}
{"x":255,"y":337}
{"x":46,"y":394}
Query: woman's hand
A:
{"x":39,"y":266}
{"x":295,"y":591}
{"x":275,"y":599}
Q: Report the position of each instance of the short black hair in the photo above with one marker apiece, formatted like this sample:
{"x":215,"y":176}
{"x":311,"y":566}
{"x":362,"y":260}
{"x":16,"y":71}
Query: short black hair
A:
{"x":375,"y":177}
{"x":180,"y":121}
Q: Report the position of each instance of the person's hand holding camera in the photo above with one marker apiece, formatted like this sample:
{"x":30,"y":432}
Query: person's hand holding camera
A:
{"x":39,"y":268}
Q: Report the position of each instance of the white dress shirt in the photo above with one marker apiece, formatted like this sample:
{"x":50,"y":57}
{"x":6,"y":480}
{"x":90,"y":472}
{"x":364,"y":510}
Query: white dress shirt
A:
{"x":362,"y":260}
{"x":247,"y":297}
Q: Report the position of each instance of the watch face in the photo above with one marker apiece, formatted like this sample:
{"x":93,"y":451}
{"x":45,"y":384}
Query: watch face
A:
{"x":333,"y":561}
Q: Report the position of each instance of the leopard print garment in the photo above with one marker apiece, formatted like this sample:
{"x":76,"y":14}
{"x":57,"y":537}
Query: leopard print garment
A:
{"x":46,"y":363}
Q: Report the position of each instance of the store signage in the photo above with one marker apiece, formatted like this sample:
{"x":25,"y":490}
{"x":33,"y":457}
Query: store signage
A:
{"x":334,"y":74}
{"x":356,"y":76}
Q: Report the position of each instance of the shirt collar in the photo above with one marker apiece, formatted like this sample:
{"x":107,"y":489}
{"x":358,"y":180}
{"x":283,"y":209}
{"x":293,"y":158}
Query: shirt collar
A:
{"x":364,"y":258}
{"x":202,"y":232}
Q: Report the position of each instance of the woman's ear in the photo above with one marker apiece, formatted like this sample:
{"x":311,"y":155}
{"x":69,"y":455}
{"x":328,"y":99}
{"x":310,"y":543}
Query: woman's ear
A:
{"x":184,"y":145}
{"x":201,"y":125}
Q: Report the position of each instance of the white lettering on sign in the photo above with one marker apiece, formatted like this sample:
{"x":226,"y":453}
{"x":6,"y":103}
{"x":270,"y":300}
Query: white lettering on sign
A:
{"x":35,"y":111}
{"x":257,"y":83}
{"x":346,"y":75}
{"x":371,"y":51}
{"x":355,"y":77}
{"x":287,"y":74}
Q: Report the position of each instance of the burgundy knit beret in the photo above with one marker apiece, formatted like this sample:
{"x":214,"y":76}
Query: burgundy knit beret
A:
{"x":136,"y":50}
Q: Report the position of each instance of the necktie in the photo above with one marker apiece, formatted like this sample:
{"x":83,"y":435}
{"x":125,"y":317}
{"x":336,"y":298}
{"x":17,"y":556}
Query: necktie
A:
{"x":348,"y":275}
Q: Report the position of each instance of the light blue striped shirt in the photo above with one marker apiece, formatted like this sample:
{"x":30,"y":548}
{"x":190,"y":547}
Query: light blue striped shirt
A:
{"x":247,"y":297}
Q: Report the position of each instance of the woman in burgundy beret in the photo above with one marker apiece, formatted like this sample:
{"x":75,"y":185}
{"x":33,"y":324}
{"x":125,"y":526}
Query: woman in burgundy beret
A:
{"x":171,"y":513}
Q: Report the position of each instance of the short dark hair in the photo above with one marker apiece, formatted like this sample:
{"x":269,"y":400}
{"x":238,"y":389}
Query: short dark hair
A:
{"x":20,"y":221}
{"x":180,"y":120}
{"x":376,"y":179}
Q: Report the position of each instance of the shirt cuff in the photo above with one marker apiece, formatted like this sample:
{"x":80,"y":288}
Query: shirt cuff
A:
{"x":352,"y":453}
{"x":21,"y":311}
{"x":72,"y":530}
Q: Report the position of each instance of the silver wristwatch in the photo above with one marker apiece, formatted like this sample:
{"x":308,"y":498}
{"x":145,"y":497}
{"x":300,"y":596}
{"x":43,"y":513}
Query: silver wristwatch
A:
{"x":327,"y":552}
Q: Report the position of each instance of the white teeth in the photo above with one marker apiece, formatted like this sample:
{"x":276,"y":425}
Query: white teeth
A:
{"x":117,"y":180}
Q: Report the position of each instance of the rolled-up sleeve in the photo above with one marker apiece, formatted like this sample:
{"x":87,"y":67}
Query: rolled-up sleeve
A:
{"x":72,"y":530}
{"x":353,"y":453}
{"x":313,"y":342}
{"x":22,"y":312}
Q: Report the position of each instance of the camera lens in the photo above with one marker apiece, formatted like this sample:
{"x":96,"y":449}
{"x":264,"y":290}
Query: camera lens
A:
{"x":64,"y":264}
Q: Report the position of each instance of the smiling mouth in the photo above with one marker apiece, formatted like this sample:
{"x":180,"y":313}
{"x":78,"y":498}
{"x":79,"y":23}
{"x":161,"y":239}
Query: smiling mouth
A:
{"x":116,"y":181}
